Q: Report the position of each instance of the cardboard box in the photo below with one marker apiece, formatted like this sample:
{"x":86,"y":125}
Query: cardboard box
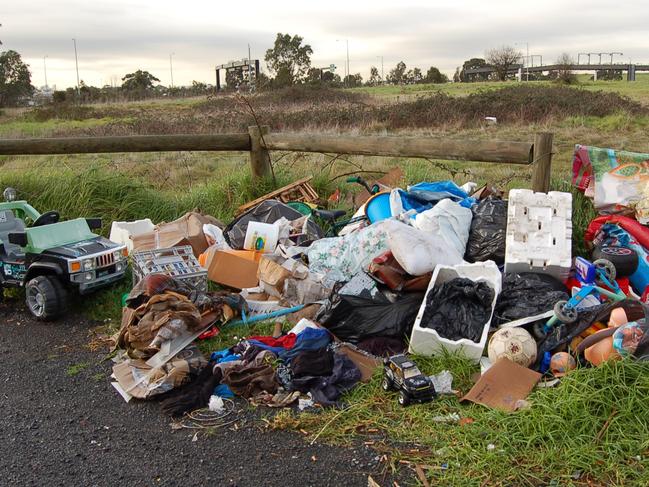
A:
{"x":186,"y":230}
{"x":236,"y":269}
{"x":274,"y":270}
{"x":503,"y":385}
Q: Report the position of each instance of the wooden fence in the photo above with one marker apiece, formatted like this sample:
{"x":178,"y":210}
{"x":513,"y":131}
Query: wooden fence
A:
{"x":259,"y":141}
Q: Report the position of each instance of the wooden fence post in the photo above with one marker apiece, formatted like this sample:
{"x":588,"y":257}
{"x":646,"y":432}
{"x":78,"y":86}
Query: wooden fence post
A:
{"x":542,"y":162}
{"x":259,"y":156}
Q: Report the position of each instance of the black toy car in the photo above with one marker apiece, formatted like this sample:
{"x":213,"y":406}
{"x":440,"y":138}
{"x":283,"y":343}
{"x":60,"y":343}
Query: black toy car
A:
{"x":401,"y":374}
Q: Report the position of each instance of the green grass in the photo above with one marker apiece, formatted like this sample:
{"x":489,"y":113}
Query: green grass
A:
{"x":76,"y":369}
{"x":563,"y":434}
{"x":637,"y":90}
{"x":28,"y":128}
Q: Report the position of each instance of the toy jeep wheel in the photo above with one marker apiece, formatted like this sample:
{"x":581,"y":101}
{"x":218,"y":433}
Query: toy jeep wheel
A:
{"x":46,"y":297}
{"x":404,"y":400}
{"x":386,"y":384}
{"x":565,"y":314}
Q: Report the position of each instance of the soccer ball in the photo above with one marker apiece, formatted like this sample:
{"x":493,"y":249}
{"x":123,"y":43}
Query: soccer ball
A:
{"x":516,"y":344}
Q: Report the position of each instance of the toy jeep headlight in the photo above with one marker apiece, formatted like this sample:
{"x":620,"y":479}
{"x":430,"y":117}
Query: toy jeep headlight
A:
{"x":9,"y":194}
{"x":88,"y":264}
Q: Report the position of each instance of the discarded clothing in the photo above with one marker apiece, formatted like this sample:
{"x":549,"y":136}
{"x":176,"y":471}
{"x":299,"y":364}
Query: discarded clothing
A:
{"x":253,"y":378}
{"x":312,"y":363}
{"x":308,"y":339}
{"x":435,"y":191}
{"x":161,"y":318}
{"x":458,"y":309}
{"x":286,"y":341}
{"x":326,"y":390}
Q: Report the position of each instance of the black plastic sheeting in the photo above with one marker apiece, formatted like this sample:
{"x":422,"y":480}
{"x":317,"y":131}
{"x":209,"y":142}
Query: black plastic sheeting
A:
{"x":361,"y":309}
{"x":488,"y":231}
{"x":268,"y":211}
{"x":458,"y":309}
{"x":527,"y":294}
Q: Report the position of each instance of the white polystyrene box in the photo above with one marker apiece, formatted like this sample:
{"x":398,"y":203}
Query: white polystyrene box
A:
{"x":539,"y":233}
{"x":121,"y":232}
{"x":425,"y":341}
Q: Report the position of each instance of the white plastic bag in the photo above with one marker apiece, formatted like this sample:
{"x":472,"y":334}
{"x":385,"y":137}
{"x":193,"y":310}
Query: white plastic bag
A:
{"x":448,"y":221}
{"x":214,"y":236}
{"x":418,"y":252}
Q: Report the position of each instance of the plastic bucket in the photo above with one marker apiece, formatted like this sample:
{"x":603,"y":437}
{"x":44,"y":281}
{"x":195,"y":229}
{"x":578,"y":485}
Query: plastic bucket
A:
{"x":261,"y":237}
{"x":377,"y":207}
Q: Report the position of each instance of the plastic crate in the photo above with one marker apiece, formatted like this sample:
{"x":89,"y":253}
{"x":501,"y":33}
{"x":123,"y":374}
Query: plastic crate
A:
{"x":177,"y":262}
{"x":425,"y":341}
{"x":539,"y":233}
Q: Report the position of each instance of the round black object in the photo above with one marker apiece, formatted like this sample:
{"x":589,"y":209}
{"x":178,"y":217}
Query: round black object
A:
{"x":47,"y":218}
{"x":46,"y":297}
{"x":624,"y":259}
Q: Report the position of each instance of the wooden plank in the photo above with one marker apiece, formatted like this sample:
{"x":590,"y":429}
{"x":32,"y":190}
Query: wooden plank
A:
{"x":542,"y":162}
{"x":129,"y":143}
{"x":276,"y":194}
{"x":427,"y":147}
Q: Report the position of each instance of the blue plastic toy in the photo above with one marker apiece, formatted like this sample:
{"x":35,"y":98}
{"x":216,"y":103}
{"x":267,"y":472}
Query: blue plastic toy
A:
{"x":592,"y":275}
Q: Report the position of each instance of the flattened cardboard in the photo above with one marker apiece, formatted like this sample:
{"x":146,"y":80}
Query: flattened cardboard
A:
{"x":502,"y":385}
{"x":233,"y":269}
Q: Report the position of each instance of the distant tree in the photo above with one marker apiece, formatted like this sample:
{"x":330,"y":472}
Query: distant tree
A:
{"x":198,"y":87}
{"x":15,"y":79}
{"x":457,"y":76}
{"x":375,"y":77}
{"x":139,"y":81}
{"x":414,"y":76}
{"x":502,"y":59}
{"x":353,"y":80}
{"x":58,"y":96}
{"x":434,"y":75}
{"x":398,"y":74}
{"x":289,"y":60}
{"x":314,"y":76}
{"x":609,"y":74}
{"x":564,"y":73}
{"x":330,"y":77}
{"x":473,"y":63}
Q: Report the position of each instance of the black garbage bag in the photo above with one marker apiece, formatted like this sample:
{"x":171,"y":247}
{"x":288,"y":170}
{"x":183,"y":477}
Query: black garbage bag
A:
{"x":488,"y":231}
{"x":458,"y":309}
{"x":268,"y":211}
{"x":527,"y":294}
{"x":361,"y":309}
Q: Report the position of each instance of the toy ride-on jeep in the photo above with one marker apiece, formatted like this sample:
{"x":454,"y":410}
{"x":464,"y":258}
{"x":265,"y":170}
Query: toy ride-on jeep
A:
{"x":51,"y":258}
{"x":401,"y":374}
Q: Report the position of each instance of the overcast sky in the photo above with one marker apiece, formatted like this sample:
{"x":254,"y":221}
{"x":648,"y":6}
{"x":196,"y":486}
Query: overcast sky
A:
{"x":119,"y":36}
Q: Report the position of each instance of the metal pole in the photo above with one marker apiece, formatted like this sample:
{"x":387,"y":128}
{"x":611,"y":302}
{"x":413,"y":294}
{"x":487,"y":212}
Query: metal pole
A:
{"x":527,"y":67}
{"x":45,"y":70}
{"x":171,"y":70}
{"x":382,"y":78}
{"x":76,"y":61}
{"x":347,"y":42}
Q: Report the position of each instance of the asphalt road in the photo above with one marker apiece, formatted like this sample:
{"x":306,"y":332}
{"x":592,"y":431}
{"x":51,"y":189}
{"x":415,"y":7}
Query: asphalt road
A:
{"x":62,"y":423}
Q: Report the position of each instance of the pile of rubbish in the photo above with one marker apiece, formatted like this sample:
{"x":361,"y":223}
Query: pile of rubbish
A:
{"x":426,"y":270}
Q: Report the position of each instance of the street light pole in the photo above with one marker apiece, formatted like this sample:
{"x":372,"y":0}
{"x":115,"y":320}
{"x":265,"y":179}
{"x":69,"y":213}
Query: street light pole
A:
{"x":76,"y":62}
{"x":382,"y":73}
{"x":171,"y":69}
{"x":347,"y":63}
{"x":45,"y":70}
{"x":347,"y":42}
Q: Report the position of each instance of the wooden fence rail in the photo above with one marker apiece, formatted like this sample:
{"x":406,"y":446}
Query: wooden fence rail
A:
{"x":259,"y":141}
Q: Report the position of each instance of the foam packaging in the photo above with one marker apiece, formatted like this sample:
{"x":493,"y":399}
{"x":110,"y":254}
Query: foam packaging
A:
{"x":425,"y":341}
